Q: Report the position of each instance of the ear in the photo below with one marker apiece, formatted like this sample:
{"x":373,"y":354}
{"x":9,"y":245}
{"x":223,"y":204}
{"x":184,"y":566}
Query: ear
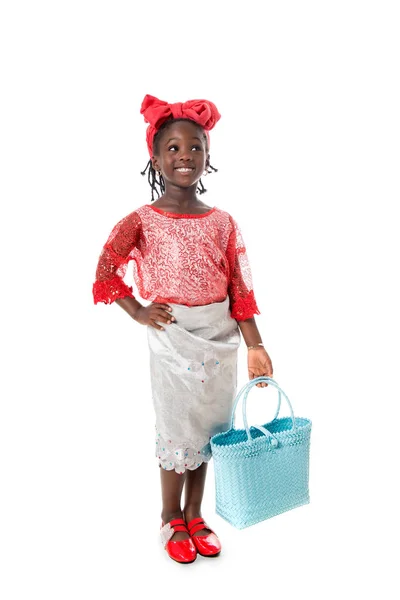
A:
{"x":155,"y":163}
{"x":207,"y":161}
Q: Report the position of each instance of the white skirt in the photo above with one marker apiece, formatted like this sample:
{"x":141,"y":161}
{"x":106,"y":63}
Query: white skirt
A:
{"x":193,"y":369}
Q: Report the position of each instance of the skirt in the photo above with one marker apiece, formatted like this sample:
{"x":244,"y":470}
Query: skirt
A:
{"x":193,"y":373}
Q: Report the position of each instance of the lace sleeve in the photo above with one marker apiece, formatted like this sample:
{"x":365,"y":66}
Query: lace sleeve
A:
{"x":240,"y":289}
{"x":113,"y":261}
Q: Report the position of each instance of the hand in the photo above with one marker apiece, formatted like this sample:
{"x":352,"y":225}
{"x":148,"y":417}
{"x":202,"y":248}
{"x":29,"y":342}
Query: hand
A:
{"x":148,"y":315}
{"x":259,"y":365}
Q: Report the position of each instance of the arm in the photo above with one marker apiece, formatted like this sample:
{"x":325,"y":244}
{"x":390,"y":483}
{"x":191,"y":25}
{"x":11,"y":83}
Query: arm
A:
{"x":244,"y":306}
{"x":240,"y":287}
{"x":130,"y":305}
{"x":109,"y":285}
{"x":258,"y":361}
{"x":250,"y":332}
{"x":113,"y":261}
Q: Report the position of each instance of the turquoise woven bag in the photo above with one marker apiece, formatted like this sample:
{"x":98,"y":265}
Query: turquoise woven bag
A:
{"x":262,"y":470}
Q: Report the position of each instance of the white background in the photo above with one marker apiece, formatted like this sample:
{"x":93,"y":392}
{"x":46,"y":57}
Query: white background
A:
{"x":308,"y":156}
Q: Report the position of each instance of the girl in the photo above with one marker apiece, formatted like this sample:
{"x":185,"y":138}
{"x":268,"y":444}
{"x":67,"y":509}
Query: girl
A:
{"x":190,"y":262}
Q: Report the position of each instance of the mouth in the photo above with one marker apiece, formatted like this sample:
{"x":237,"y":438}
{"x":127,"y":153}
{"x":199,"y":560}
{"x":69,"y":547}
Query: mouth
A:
{"x":184,"y":169}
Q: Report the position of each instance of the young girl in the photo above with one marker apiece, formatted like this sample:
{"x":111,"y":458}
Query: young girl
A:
{"x":190,"y":262}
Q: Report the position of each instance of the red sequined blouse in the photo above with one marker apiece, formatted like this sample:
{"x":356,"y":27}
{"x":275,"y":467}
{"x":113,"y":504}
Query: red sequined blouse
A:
{"x":179,"y":258}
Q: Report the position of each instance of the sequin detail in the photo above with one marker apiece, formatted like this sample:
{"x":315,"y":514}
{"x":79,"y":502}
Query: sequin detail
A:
{"x":189,"y":261}
{"x":182,"y":456}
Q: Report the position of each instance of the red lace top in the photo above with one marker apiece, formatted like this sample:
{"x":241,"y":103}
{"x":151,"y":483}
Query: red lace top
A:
{"x":183,"y":259}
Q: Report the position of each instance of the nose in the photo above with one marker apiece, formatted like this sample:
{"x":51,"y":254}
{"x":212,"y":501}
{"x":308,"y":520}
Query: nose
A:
{"x":185,"y":154}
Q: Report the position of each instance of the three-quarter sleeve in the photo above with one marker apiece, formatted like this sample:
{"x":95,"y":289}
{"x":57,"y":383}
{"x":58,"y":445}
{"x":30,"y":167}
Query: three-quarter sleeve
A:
{"x":113,"y":261}
{"x":240,"y":288}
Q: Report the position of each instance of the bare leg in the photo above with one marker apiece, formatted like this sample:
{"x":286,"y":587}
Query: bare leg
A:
{"x":194,"y":490}
{"x":171,"y":491}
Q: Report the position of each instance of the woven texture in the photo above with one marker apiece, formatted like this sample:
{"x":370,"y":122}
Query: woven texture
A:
{"x":260,"y":473}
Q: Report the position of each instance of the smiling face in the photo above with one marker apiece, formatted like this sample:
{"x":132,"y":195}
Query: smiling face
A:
{"x":181,"y":153}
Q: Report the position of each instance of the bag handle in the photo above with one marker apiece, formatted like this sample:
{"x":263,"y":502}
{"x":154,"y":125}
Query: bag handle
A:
{"x":268,"y":434}
{"x":238,"y":396}
{"x":272,"y":382}
{"x":246,"y":389}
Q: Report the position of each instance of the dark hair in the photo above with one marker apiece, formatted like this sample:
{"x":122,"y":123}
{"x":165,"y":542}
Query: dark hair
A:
{"x":155,"y":179}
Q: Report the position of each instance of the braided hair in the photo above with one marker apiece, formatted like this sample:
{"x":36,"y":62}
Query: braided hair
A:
{"x":155,"y":178}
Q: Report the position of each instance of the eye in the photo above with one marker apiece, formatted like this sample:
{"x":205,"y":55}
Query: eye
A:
{"x":174,"y":147}
{"x":197,"y":147}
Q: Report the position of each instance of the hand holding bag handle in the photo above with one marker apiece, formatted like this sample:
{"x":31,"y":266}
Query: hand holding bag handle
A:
{"x":238,"y":396}
{"x":246,"y":389}
{"x":272,"y":382}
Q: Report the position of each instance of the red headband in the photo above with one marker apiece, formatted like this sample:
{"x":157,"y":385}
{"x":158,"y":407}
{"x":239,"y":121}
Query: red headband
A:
{"x":156,"y":112}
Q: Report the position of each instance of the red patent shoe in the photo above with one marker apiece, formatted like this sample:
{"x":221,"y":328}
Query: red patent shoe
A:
{"x":207,"y":545}
{"x":182,"y":551}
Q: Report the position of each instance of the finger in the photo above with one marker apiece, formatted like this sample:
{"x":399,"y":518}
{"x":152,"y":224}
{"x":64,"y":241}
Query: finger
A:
{"x":161,"y":315}
{"x":164,"y":311}
{"x":163,"y":306}
{"x":254,"y":376}
{"x":268,"y":375}
{"x":156,"y":326}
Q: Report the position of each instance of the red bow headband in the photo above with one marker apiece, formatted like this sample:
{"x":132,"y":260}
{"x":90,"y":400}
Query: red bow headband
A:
{"x":156,"y":112}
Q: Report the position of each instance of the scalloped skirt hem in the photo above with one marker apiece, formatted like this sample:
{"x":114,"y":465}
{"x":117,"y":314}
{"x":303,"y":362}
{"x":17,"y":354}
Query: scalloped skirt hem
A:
{"x":181,"y":469}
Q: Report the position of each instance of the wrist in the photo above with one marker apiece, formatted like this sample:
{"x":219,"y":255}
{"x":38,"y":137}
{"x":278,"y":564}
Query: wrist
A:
{"x":130,"y":305}
{"x":256,"y":346}
{"x":136,"y":312}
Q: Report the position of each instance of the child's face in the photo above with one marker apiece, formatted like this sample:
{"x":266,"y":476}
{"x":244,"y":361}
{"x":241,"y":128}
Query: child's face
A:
{"x":182,"y":154}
